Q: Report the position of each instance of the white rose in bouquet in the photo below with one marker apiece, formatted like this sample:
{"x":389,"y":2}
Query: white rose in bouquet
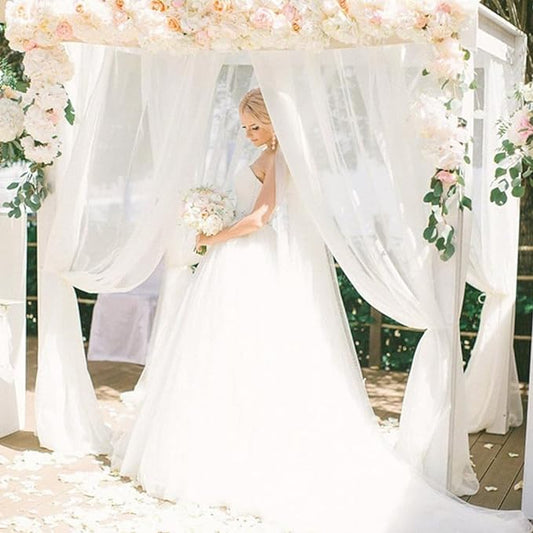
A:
{"x":207,"y":211}
{"x":11,"y":120}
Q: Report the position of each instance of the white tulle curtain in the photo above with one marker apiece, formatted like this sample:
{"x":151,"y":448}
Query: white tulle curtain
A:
{"x":116,"y":195}
{"x":225,"y":152}
{"x":342,"y":118}
{"x":151,"y":127}
{"x":493,"y":395}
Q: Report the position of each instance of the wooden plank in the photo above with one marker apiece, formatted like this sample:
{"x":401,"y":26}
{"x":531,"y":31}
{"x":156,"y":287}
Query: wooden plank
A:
{"x":513,"y":498}
{"x":501,"y":472}
{"x":494,"y":438}
{"x":483,"y":458}
{"x":472,"y":438}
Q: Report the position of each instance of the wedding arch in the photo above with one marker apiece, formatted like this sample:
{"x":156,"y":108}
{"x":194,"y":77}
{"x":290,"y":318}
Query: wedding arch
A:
{"x":356,"y":96}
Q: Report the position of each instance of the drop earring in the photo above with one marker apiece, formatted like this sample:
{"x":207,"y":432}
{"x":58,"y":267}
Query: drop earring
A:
{"x":273,"y":142}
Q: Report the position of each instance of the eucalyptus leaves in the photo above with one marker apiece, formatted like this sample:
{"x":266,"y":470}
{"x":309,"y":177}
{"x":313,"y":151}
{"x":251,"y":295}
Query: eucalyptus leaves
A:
{"x":515,"y":157}
{"x":30,"y":192}
{"x":447,"y":143}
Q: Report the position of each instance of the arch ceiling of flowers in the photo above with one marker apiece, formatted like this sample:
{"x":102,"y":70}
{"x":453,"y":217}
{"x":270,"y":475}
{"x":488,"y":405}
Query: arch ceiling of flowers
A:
{"x":39,"y":28}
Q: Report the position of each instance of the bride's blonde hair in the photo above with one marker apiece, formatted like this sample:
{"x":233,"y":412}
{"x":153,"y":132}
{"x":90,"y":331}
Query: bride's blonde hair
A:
{"x":254,"y":104}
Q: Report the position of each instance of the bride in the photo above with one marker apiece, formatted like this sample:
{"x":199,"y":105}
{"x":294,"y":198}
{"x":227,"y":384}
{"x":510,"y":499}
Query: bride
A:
{"x":257,"y":400}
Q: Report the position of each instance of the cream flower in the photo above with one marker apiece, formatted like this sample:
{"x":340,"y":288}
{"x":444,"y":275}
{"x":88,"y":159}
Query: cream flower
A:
{"x":40,"y":124}
{"x":48,"y":66}
{"x":11,"y":120}
{"x":45,"y":153}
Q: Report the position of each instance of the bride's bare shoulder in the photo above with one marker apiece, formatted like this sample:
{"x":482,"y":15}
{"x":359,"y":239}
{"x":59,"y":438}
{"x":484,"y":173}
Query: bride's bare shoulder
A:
{"x":262,"y":164}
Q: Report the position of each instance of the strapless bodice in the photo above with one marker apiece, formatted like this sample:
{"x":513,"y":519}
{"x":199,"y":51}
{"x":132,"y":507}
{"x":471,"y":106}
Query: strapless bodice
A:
{"x":246,"y":187}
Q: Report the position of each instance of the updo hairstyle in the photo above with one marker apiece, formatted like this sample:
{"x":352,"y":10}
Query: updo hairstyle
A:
{"x":254,"y":104}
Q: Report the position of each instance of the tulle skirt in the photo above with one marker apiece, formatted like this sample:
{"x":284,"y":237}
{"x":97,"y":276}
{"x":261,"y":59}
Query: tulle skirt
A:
{"x":256,"y":403}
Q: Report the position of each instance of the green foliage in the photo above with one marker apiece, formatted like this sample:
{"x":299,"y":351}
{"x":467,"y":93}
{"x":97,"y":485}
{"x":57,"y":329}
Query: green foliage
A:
{"x":30,"y":192}
{"x":358,"y":315}
{"x":10,"y":63}
{"x":31,"y":278}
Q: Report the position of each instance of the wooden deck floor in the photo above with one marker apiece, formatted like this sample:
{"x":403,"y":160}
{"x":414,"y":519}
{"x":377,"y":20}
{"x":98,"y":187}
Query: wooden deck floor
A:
{"x":498,"y":459}
{"x":499,"y":463}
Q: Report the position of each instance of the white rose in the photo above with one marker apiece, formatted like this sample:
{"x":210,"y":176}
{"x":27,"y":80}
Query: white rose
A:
{"x":50,"y":97}
{"x":39,"y":125}
{"x":212,"y":225}
{"x":243,"y":5}
{"x":45,"y":153}
{"x":48,"y":66}
{"x":11,"y":120}
{"x":450,"y":156}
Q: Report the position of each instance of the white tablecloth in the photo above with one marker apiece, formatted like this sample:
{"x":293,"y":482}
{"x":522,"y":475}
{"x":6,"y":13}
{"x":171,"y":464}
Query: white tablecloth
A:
{"x":122,"y":323}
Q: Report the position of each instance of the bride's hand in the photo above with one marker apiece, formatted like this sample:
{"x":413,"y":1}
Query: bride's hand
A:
{"x":201,"y":242}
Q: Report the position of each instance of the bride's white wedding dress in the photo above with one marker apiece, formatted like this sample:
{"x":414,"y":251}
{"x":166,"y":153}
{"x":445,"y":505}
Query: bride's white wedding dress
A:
{"x":257,"y":402}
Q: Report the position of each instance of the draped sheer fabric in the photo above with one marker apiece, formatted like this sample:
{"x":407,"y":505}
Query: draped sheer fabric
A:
{"x":150,"y":127}
{"x":117,"y":195}
{"x":342,"y":117}
{"x":12,"y":312}
{"x":492,"y":388}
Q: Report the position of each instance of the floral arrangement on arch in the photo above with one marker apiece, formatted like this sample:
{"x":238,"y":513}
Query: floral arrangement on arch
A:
{"x":39,"y":29}
{"x":515,"y":156}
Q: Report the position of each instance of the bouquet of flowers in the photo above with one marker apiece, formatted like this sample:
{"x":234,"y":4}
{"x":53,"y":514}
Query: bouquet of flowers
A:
{"x":207,"y":211}
{"x":515,"y":157}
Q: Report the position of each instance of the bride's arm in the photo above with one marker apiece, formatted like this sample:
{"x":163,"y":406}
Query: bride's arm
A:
{"x":260,"y":215}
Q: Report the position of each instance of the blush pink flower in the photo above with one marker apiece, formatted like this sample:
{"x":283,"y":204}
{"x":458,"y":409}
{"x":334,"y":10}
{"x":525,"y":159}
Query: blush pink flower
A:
{"x":263,"y":18}
{"x":202,"y":38}
{"x":53,"y":117}
{"x":177,"y":4}
{"x":120,"y":17}
{"x":444,"y":7}
{"x":521,"y":127}
{"x":448,"y":178}
{"x":64,"y":30}
{"x":290,"y":12}
{"x":30,"y":45}
{"x":376,"y":18}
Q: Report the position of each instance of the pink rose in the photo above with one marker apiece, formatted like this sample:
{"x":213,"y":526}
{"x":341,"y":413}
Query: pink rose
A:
{"x":262,"y":18}
{"x":120,"y":17}
{"x":177,"y":4}
{"x":290,"y":12}
{"x":202,"y":38}
{"x":376,"y":17}
{"x":64,"y":30}
{"x":525,"y":127}
{"x":521,"y":127}
{"x":30,"y":45}
{"x":444,"y":7}
{"x":449,"y":178}
{"x":53,"y":117}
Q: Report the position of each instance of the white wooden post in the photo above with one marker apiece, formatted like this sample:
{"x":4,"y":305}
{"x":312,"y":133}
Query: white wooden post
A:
{"x":505,"y":42}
